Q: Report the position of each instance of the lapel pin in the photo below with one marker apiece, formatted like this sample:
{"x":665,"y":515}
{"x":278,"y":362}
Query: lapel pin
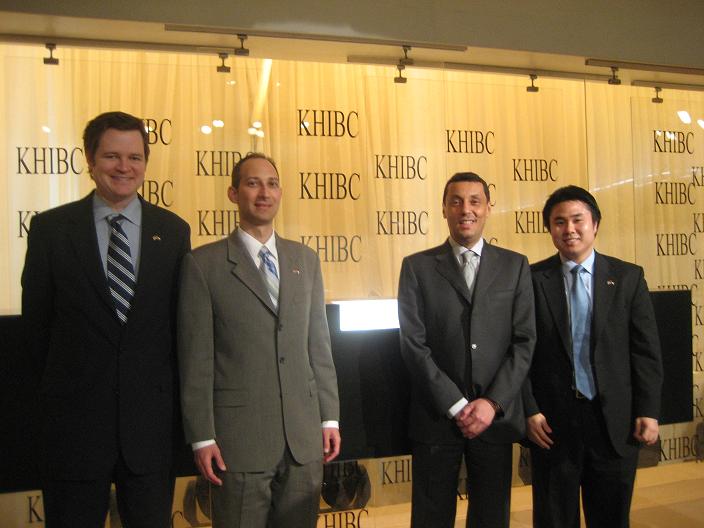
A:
{"x":296,"y":271}
{"x":610,"y":283}
{"x":156,"y":237}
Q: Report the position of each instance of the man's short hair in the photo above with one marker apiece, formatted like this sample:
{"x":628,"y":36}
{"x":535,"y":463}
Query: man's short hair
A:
{"x":119,"y":121}
{"x":237,"y":171}
{"x":466,"y":177}
{"x":568,"y":194}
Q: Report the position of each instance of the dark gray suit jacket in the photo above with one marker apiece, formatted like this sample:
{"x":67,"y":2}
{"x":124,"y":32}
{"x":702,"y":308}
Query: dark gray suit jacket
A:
{"x":442,"y":328}
{"x":253,"y":379}
{"x":106,"y":388}
{"x":625,"y":348}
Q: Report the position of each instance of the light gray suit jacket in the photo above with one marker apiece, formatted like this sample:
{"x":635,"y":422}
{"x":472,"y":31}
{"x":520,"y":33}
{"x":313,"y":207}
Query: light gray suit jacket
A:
{"x":251,"y":378}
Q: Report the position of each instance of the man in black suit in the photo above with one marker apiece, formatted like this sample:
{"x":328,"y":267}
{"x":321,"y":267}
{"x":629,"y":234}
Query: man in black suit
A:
{"x":467,"y":337}
{"x":593,"y":393}
{"x":99,"y":301}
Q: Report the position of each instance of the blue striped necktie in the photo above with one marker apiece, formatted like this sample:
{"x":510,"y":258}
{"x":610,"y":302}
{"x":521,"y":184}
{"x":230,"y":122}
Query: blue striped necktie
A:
{"x":121,"y":277}
{"x":268,"y":272}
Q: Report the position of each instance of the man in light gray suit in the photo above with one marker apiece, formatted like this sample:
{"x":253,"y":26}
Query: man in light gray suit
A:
{"x":258,"y":384}
{"x":467,"y":336}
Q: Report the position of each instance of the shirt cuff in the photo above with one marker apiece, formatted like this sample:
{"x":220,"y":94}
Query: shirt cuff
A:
{"x":457,"y":407}
{"x":203,"y":443}
{"x":333,"y":424}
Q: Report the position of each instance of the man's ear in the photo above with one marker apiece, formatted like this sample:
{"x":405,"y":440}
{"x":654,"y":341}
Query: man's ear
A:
{"x":232,"y":194}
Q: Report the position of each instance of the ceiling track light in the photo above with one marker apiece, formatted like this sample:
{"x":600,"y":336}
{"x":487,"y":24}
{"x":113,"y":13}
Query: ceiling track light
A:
{"x":614,"y":78}
{"x":223,"y":68}
{"x":400,"y":79}
{"x":657,"y":98}
{"x":51,"y":60}
{"x":532,"y":88}
{"x":405,"y":60}
{"x":669,"y":86}
{"x":242,"y":51}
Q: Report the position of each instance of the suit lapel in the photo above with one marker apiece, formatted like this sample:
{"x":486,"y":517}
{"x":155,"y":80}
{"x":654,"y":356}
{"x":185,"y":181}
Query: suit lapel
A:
{"x":290,"y":276}
{"x":552,"y":284}
{"x":489,"y":268}
{"x":447,"y":266}
{"x":246,"y":271}
{"x":149,"y":261}
{"x":85,"y":243}
{"x":604,"y":289}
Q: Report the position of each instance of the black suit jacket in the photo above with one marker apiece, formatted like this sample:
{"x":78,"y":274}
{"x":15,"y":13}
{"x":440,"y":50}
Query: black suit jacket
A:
{"x":105,"y":388}
{"x":442,"y":327}
{"x":625,"y":348}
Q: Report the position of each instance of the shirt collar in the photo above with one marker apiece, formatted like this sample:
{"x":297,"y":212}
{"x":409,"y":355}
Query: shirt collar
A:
{"x":458,"y":250}
{"x":253,"y":246}
{"x":132,"y":212}
{"x":587,"y":264}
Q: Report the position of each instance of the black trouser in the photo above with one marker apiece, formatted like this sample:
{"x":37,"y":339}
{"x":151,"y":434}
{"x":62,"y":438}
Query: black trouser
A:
{"x":143,"y":501}
{"x":582,"y":456}
{"x":436,"y":470}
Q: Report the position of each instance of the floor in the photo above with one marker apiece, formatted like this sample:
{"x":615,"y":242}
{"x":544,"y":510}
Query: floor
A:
{"x":669,"y":496}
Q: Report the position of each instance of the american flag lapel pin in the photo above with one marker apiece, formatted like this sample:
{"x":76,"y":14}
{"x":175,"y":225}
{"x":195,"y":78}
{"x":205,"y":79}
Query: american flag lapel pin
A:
{"x":610,"y":283}
{"x":156,"y":238}
{"x":296,"y":271}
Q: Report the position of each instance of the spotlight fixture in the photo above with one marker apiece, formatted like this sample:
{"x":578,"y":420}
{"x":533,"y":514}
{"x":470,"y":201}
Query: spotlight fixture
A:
{"x":242,"y":51}
{"x":614,"y":78}
{"x":400,"y":79}
{"x":223,"y":68}
{"x":657,"y":98}
{"x":532,"y":88}
{"x":405,"y":60}
{"x":51,"y":59}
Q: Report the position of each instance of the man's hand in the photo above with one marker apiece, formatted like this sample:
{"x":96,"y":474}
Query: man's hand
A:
{"x":475,"y":417}
{"x":331,"y":443}
{"x":204,"y":458}
{"x":539,"y":431}
{"x":646,"y":430}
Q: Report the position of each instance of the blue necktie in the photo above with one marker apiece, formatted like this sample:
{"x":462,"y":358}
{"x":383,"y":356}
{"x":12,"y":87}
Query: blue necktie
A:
{"x":580,"y":319}
{"x":121,"y":277}
{"x":271,"y":278}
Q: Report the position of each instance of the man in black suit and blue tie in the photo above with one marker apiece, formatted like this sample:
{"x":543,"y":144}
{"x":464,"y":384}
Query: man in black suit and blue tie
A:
{"x":99,"y":302}
{"x":593,"y":393}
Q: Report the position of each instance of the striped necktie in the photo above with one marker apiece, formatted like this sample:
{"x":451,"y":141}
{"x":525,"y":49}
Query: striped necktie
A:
{"x":268,"y":272}
{"x":121,"y":277}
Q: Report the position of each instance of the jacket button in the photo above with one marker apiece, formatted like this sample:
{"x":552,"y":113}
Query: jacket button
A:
{"x":282,"y":360}
{"x":474,"y":346}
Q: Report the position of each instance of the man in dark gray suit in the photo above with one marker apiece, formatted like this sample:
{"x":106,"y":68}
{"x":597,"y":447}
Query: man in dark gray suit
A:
{"x":594,"y":388}
{"x":467,"y":336}
{"x":258,"y":384}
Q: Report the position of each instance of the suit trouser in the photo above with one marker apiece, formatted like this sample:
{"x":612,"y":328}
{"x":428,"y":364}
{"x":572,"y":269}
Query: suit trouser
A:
{"x":582,"y":456}
{"x":143,"y":501}
{"x":285,"y":496}
{"x":436,"y":470}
